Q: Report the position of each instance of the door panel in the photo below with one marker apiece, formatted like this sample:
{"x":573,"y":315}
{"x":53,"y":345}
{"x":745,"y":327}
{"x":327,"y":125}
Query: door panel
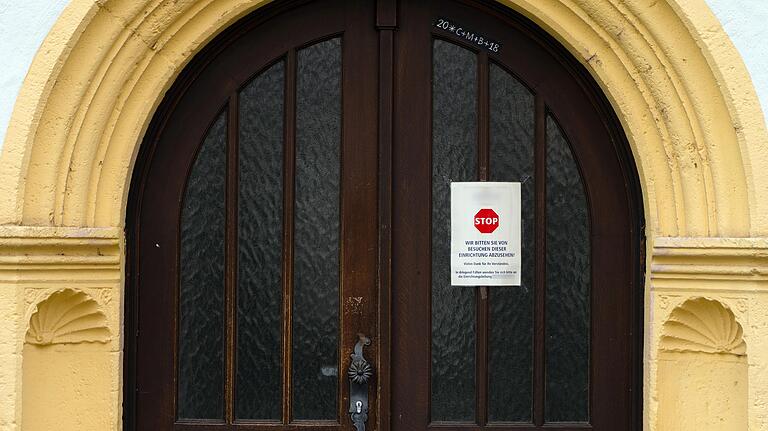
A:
{"x":292,"y":193}
{"x":255,"y":227}
{"x":543,"y":354}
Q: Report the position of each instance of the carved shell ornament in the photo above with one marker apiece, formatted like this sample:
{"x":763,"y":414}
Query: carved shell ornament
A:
{"x":68,"y":317}
{"x":703,"y":325}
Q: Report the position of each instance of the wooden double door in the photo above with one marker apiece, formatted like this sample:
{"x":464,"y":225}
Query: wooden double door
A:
{"x":292,"y":193}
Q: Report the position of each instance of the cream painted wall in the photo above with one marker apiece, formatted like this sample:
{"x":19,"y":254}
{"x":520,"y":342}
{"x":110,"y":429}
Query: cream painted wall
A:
{"x":24,"y":24}
{"x":745,"y":22}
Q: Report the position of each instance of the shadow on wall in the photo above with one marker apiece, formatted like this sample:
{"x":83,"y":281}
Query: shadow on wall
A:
{"x":702,"y":369}
{"x":66,"y":356}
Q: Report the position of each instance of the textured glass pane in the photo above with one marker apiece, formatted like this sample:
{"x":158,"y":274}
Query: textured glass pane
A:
{"x":201,"y":284}
{"x":260,"y":227}
{"x":316,"y":241}
{"x":568,"y":281}
{"x":454,"y":131}
{"x":510,"y":343}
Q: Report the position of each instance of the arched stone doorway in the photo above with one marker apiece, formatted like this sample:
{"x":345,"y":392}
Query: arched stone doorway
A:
{"x":678,"y":87}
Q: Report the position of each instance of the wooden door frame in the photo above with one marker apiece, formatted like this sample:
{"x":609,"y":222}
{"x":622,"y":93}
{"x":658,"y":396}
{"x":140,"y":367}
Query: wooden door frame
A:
{"x":387,"y":24}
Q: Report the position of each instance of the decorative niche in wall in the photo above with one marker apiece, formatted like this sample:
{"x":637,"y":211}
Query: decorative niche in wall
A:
{"x":68,"y":317}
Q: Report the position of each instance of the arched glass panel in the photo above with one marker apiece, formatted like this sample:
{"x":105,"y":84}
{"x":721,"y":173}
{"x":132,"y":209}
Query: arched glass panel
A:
{"x":460,"y":337}
{"x":259,"y":293}
{"x":260,"y":227}
{"x":454,"y":158}
{"x":316,"y":238}
{"x":201,"y":283}
{"x":510,"y":341}
{"x":568,"y":284}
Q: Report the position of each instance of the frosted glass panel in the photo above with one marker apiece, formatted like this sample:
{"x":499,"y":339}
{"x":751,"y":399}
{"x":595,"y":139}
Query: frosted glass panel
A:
{"x":316,"y":240}
{"x":260,"y":226}
{"x":510,"y":342}
{"x":568,"y":285}
{"x":201,"y":284}
{"x":454,"y":158}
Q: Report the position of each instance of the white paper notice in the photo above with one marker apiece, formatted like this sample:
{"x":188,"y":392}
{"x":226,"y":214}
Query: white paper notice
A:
{"x":485,"y":234}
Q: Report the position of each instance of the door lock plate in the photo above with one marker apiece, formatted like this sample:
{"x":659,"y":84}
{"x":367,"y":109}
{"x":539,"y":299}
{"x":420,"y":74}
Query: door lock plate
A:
{"x":360,"y":372}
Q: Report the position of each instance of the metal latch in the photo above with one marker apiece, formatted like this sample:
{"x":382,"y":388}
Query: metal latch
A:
{"x":360,"y":371}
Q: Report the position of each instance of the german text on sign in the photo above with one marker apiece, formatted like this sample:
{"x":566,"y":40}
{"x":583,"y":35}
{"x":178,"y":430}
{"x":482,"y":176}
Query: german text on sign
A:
{"x":485,"y":234}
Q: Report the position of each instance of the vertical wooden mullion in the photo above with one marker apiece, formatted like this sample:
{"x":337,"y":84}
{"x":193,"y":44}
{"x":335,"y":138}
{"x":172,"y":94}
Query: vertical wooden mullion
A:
{"x":482,"y":294}
{"x":386,"y":22}
{"x":386,"y":90}
{"x":540,"y":227}
{"x":231,"y":257}
{"x":289,"y":164}
{"x":483,"y":151}
{"x":343,"y":288}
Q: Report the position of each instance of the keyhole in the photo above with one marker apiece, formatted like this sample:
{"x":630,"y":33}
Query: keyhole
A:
{"x":359,"y":406}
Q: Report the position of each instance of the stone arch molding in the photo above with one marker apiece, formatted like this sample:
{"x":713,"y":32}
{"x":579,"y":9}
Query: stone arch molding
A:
{"x":678,"y":85}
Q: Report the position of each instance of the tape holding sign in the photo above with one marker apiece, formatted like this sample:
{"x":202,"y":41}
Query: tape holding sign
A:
{"x":485,"y":234}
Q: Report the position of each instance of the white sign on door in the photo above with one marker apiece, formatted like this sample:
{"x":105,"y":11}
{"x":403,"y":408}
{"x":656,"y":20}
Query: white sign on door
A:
{"x":485,"y":234}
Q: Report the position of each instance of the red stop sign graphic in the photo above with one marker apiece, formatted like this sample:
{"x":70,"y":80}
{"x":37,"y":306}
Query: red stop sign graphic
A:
{"x":486,"y":220}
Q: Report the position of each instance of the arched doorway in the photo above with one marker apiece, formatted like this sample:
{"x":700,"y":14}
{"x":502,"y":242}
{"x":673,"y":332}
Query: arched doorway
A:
{"x":292,"y":193}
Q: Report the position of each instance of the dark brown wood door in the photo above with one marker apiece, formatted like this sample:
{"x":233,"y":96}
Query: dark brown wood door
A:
{"x":255,"y":226}
{"x":291,"y":193}
{"x":486,"y":97}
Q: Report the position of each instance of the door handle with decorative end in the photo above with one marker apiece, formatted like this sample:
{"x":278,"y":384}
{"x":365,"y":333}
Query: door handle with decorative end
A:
{"x":359,"y":372}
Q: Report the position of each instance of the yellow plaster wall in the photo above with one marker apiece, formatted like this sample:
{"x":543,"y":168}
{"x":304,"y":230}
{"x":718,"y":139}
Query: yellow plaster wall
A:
{"x":70,"y":387}
{"x":702,"y":391}
{"x":35,"y":264}
{"x":68,"y":364}
{"x":676,"y":82}
{"x":734,"y":273}
{"x":702,"y":379}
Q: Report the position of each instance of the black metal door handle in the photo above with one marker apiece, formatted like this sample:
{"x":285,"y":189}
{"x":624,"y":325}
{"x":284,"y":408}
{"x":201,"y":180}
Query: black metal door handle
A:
{"x":359,"y":372}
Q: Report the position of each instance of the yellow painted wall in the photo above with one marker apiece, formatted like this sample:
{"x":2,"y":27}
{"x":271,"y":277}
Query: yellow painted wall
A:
{"x":674,"y":79}
{"x":70,"y":387}
{"x":702,"y":379}
{"x":702,"y":391}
